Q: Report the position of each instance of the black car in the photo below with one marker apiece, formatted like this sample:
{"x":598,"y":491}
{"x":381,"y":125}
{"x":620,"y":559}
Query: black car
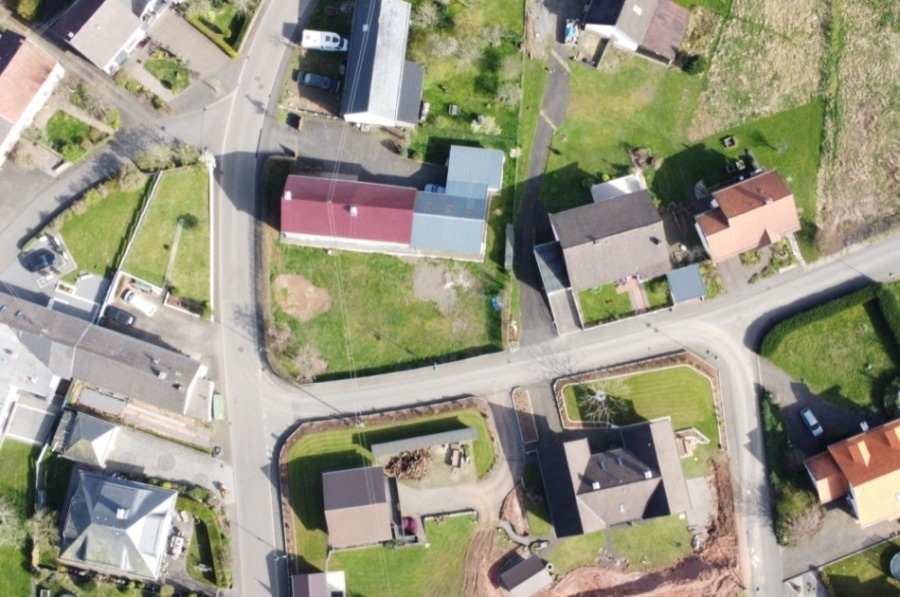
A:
{"x":119,"y":316}
{"x":38,"y":260}
{"x":320,"y":81}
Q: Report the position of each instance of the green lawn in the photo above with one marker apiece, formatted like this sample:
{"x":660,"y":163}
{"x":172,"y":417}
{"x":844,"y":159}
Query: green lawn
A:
{"x":538,"y":514}
{"x":572,"y":552}
{"x":200,"y":552}
{"x":97,"y":238}
{"x":434,"y":570}
{"x":603,"y":303}
{"x":347,"y":448}
{"x":182,"y":195}
{"x":633,"y":104}
{"x":171,"y":72}
{"x":69,"y":136}
{"x":653,"y":545}
{"x":657,"y":291}
{"x":721,"y":7}
{"x":16,"y":487}
{"x":847,"y":358}
{"x":678,"y":392}
{"x":224,"y":22}
{"x":864,"y":574}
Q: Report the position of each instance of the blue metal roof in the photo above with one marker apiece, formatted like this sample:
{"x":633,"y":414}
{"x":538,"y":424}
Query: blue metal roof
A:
{"x":442,"y":204}
{"x":686,"y":284}
{"x":473,"y":190}
{"x":475,"y":165}
{"x":434,"y":232}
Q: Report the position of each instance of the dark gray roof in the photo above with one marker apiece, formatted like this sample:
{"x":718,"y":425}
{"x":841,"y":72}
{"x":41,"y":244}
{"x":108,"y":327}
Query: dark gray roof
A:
{"x":552,"y":267}
{"x":354,"y":487}
{"x":410,"y":103}
{"x":466,"y":434}
{"x":475,"y":165}
{"x":309,"y":585}
{"x":686,"y":284}
{"x":117,"y":526}
{"x":631,"y":17}
{"x":89,"y":439}
{"x":595,"y":221}
{"x":101,"y":402}
{"x":75,"y":349}
{"x":526,"y":577}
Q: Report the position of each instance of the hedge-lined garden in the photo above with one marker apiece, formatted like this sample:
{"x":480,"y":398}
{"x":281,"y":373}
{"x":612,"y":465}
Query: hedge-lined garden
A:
{"x":218,"y":543}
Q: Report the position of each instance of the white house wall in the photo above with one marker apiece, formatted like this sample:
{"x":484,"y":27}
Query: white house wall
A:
{"x":27,"y":117}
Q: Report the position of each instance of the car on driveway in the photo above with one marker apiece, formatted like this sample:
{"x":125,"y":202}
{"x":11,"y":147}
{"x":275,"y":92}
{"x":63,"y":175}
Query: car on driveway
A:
{"x":319,"y":81}
{"x":118,"y":316}
{"x":811,"y":422}
{"x":38,"y":260}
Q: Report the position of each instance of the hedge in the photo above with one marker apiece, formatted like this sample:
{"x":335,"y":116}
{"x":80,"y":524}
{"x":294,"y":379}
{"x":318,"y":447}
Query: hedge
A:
{"x":890,"y":308}
{"x":245,"y":27}
{"x":213,"y":36}
{"x":776,"y":335}
{"x":221,"y":567}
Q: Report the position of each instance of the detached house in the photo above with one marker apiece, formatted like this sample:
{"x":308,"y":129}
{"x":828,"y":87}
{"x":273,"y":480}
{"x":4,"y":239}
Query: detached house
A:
{"x":107,"y":31}
{"x":653,"y":28}
{"x":28,"y":75}
{"x":865,"y":469}
{"x":749,"y":214}
{"x":382,"y":87}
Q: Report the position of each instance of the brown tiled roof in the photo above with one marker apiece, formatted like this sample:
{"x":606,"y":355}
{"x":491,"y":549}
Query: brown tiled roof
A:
{"x":751,"y":194}
{"x":828,"y":479}
{"x":666,"y":29}
{"x":24,"y":67}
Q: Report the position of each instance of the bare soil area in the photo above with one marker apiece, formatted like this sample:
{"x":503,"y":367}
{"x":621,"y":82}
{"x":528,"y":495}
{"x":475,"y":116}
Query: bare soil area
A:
{"x":438,"y":283}
{"x":486,"y":558}
{"x":525,"y":415}
{"x":299,"y":298}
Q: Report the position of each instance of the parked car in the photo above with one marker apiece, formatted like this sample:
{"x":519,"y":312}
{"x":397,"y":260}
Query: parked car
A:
{"x":324,"y":40}
{"x":319,"y":81}
{"x":811,"y":422}
{"x":38,"y":260}
{"x":434,"y":188}
{"x":140,"y":302}
{"x":118,"y":316}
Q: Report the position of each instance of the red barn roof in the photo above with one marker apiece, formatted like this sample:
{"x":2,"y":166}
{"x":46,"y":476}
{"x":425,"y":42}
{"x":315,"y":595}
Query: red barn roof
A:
{"x":356,"y":210}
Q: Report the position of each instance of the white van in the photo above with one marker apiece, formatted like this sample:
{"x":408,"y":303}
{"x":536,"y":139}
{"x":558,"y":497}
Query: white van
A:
{"x":324,"y":40}
{"x":140,"y":302}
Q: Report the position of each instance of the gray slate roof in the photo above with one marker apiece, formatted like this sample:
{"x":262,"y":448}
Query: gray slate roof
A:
{"x":98,"y":29}
{"x":466,"y":434}
{"x":353,"y":487}
{"x":552,"y":266}
{"x":410,"y":103}
{"x":76,"y":349}
{"x":686,"y":284}
{"x":595,"y":221}
{"x":117,"y":527}
{"x":89,"y":439}
{"x":526,"y":578}
{"x":475,"y":165}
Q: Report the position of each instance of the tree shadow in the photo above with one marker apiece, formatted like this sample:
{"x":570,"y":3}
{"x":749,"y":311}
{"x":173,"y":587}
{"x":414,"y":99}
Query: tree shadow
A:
{"x":674,"y":181}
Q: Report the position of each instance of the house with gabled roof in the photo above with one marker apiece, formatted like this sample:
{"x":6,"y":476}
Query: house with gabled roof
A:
{"x":83,"y":438}
{"x":28,"y":75}
{"x":652,"y":28}
{"x":748,"y":214}
{"x":119,"y":527}
{"x":526,"y":578}
{"x":107,"y":31}
{"x":382,"y":87}
{"x":865,"y":469}
{"x":357,"y":508}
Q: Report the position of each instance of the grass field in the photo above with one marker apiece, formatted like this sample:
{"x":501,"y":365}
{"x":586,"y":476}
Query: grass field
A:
{"x":181,"y":195}
{"x":538,"y":514}
{"x":678,"y":392}
{"x":347,"y":448}
{"x":654,"y":544}
{"x":97,"y":238}
{"x":603,"y":303}
{"x":867,"y":573}
{"x":436,"y":570}
{"x":170,"y":71}
{"x":69,"y":136}
{"x":629,"y":102}
{"x":572,"y":552}
{"x":847,"y":359}
{"x":16,"y":482}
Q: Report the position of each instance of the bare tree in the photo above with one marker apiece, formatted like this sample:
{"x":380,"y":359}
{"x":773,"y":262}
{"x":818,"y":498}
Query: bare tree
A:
{"x":309,"y":364}
{"x":600,"y":407}
{"x":196,"y":8}
{"x":42,"y":527}
{"x":470,"y":51}
{"x":12,"y":531}
{"x":243,"y":7}
{"x":279,"y":338}
{"x":426,"y":16}
{"x":509,"y":94}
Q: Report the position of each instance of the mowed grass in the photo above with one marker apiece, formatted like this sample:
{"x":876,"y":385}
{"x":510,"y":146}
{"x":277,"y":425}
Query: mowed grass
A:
{"x":658,"y":293}
{"x":170,"y":72}
{"x":604,"y":303}
{"x":537,"y":513}
{"x":181,"y":195}
{"x":678,"y":392}
{"x":97,"y":238}
{"x":348,"y":448}
{"x":847,"y":359}
{"x":629,"y":102}
{"x":865,"y":574}
{"x":572,"y":552}
{"x":17,"y":462}
{"x":69,"y":136}
{"x":654,"y":544}
{"x":434,"y":570}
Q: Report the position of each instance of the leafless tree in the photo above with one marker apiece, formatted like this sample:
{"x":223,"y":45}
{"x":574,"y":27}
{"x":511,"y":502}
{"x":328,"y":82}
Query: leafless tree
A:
{"x":469,"y":53}
{"x":309,"y":364}
{"x":243,"y":7}
{"x":427,"y":15}
{"x":42,"y":527}
{"x":279,"y":338}
{"x":600,"y":407}
{"x":12,"y":531}
{"x":196,"y":8}
{"x":509,"y":94}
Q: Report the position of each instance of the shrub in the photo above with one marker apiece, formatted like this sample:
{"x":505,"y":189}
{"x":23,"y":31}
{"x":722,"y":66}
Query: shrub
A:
{"x":426,"y":15}
{"x":79,"y":207}
{"x":892,"y":399}
{"x":444,"y":47}
{"x":121,"y":79}
{"x":213,"y":36}
{"x":29,"y":10}
{"x":92,"y":197}
{"x":217,"y":542}
{"x":890,"y":308}
{"x":113,"y":119}
{"x":509,"y":94}
{"x":129,"y":177}
{"x":197,"y":493}
{"x":485,"y":125}
{"x":159,"y":104}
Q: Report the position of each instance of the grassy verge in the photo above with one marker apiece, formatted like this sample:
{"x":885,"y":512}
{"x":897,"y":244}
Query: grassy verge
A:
{"x":70,"y":137}
{"x":679,"y":392}
{"x":417,"y":570}
{"x":572,"y":552}
{"x":654,"y":544}
{"x":16,"y":487}
{"x":348,"y":448}
{"x":218,"y":544}
{"x":182,"y":196}
{"x":538,"y":514}
{"x":224,"y":25}
{"x":604,"y":303}
{"x":98,"y":236}
{"x":200,"y":554}
{"x":867,"y":573}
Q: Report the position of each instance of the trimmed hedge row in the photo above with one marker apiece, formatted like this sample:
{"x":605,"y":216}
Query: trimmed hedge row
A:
{"x":782,"y":329}
{"x":890,"y":308}
{"x":221,"y":568}
{"x":215,"y":37}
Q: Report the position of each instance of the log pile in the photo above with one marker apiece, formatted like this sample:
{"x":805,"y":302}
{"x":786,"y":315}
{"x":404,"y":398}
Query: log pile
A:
{"x":414,"y":465}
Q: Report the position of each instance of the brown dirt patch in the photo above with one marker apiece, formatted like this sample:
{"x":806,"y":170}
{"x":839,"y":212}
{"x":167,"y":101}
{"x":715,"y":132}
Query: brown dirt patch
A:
{"x":712,"y":571}
{"x":513,"y":511}
{"x":525,"y":415}
{"x":438,"y":283}
{"x":299,"y":298}
{"x":487,"y":557}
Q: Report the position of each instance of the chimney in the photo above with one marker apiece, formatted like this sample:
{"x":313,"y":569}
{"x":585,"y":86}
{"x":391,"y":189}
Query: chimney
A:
{"x":859,"y":452}
{"x":353,"y":211}
{"x":595,"y":485}
{"x":768,"y":200}
{"x":648,"y":474}
{"x":893,"y":437}
{"x":288,"y":195}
